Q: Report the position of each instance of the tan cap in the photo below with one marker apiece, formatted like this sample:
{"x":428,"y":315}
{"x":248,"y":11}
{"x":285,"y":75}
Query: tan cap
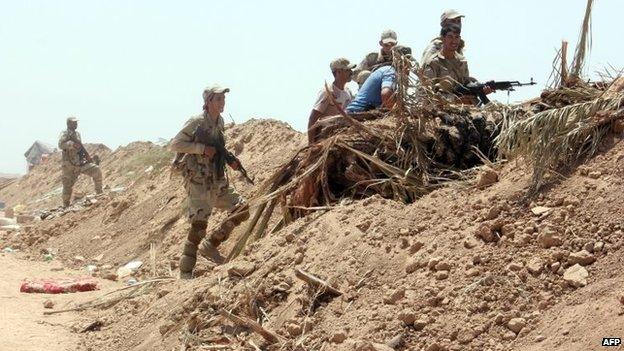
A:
{"x":450,"y":14}
{"x":72,"y":119}
{"x":215,"y":89}
{"x":388,"y":36}
{"x":341,"y":63}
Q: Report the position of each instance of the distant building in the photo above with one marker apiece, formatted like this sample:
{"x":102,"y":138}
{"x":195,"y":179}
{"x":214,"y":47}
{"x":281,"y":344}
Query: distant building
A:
{"x":38,"y":153}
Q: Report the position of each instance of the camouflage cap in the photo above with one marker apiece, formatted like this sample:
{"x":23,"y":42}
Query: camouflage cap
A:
{"x":71,"y":119}
{"x":388,"y":36}
{"x":341,"y":63}
{"x":215,"y":89}
{"x":450,"y":14}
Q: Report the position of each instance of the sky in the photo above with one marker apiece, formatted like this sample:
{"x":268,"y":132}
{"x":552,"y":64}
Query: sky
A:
{"x":135,"y":70}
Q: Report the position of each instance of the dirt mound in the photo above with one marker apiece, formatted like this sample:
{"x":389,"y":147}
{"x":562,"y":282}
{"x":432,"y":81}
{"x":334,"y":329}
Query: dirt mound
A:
{"x":462,"y":268}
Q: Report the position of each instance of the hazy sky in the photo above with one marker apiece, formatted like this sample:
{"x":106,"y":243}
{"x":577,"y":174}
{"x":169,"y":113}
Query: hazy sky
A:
{"x":134,"y":70}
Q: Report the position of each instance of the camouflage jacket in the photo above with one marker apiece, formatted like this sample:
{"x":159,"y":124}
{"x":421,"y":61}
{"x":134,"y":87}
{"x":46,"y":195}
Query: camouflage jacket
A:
{"x":434,"y":47}
{"x":371,"y":61}
{"x":66,"y":143}
{"x":190,"y":158}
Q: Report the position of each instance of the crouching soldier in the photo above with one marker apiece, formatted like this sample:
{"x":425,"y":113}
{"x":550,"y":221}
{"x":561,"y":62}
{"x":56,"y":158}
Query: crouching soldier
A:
{"x":197,"y":146}
{"x":76,"y":161}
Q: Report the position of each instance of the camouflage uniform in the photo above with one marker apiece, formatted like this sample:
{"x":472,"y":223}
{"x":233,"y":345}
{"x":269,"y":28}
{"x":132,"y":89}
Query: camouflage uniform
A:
{"x":73,"y":165}
{"x":206,"y":187}
{"x":434,"y":47}
{"x":370,"y":63}
{"x":446,"y":73}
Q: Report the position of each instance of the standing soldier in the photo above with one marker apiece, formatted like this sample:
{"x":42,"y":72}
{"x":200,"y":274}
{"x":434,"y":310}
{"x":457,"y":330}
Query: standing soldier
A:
{"x":76,"y":161}
{"x":203,"y":166}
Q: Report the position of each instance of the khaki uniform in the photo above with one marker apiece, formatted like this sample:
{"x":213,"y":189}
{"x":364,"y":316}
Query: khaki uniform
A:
{"x":446,"y":73}
{"x":434,"y":47}
{"x":370,"y":62}
{"x":72,"y":165}
{"x":206,"y":186}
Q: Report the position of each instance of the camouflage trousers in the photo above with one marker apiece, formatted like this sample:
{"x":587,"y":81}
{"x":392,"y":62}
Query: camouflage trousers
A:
{"x":70,"y":175}
{"x":202,"y":198}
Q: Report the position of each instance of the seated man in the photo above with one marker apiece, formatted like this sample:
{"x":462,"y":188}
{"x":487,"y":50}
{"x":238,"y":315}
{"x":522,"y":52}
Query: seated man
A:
{"x":378,"y":89}
{"x":382,"y":57}
{"x":342,"y":70}
{"x":448,"y":70}
{"x":448,"y":17}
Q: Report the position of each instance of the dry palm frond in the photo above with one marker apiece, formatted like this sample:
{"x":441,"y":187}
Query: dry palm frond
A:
{"x":584,"y":43}
{"x":557,"y":137}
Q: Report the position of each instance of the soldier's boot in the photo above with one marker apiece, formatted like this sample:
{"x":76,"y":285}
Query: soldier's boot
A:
{"x":67,"y":193}
{"x":209,"y":248}
{"x":189,"y":252}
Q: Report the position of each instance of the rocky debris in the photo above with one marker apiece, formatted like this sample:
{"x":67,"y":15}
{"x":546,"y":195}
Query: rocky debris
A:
{"x":370,"y":346}
{"x":408,"y":317}
{"x":25,"y":219}
{"x":394,"y":296}
{"x":241,"y":269}
{"x":509,"y":335}
{"x":412,"y":265}
{"x":486,"y":177}
{"x":470,"y":243}
{"x":535,"y":267}
{"x":516,"y":324}
{"x":548,"y":238}
{"x":583,"y":257}
{"x":441,"y":275}
{"x":576,"y":276}
{"x":48,"y":304}
{"x":110,"y":276}
{"x":4,"y":221}
{"x":128,"y":269}
{"x":420,"y":324}
{"x":540,"y":210}
{"x":338,"y":337}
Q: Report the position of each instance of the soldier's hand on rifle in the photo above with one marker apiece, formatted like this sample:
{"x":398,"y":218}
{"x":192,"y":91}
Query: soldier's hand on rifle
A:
{"x":487,"y":90}
{"x":209,"y":151}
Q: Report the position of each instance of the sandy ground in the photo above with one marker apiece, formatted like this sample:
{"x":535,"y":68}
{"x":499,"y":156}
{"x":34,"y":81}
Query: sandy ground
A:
{"x":22,"y":323}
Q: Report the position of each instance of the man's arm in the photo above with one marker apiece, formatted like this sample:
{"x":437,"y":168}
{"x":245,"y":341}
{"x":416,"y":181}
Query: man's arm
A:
{"x":312,"y":129}
{"x":388,"y":82}
{"x":65,"y":142}
{"x":183,"y":141}
{"x":387,"y":97}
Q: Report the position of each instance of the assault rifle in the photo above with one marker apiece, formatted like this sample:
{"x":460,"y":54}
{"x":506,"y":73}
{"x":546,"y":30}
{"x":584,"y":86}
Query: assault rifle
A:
{"x":222,"y":155}
{"x":476,"y":89}
{"x":83,"y":154}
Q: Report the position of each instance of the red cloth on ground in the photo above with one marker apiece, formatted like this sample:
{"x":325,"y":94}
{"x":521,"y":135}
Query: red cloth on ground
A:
{"x":59,"y":285}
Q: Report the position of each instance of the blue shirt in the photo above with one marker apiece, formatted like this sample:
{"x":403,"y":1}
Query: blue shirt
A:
{"x":369,"y":95}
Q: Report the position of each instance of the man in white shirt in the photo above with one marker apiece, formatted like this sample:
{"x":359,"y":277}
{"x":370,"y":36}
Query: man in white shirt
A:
{"x":342,"y":70}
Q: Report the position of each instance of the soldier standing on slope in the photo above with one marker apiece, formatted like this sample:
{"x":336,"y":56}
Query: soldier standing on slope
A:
{"x":206,"y":184}
{"x":76,"y":161}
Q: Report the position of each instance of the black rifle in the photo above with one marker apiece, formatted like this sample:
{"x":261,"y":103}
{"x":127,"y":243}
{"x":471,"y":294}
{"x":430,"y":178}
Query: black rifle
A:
{"x":83,"y":154}
{"x":222,"y":155}
{"x":476,"y":89}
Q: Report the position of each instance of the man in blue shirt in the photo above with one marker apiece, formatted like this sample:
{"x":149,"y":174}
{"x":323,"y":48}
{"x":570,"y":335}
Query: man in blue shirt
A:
{"x":378,"y":89}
